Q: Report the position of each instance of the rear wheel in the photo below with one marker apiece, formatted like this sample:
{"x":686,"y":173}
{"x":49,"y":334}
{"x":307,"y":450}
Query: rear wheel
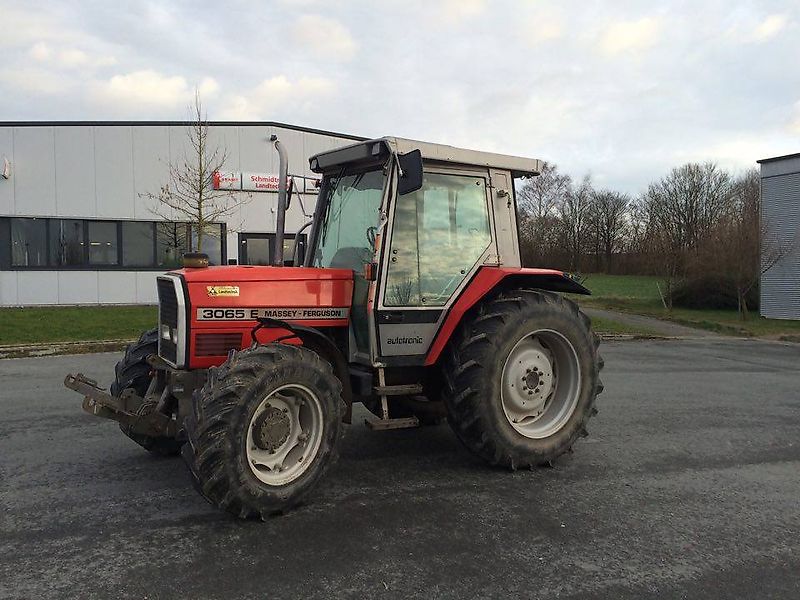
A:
{"x":521,"y":378}
{"x":264,"y":429}
{"x":133,"y":372}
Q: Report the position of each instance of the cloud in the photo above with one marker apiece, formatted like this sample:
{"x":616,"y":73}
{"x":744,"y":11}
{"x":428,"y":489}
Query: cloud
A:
{"x":326,"y":38}
{"x":147,"y":88}
{"x":36,"y":80}
{"x":541,"y":28}
{"x":536,"y":78}
{"x":208,"y":87}
{"x":68,"y":57}
{"x":626,"y":36}
{"x":769,"y":28}
{"x":455,"y":11}
{"x":275,"y":94}
{"x":794,"y":124}
{"x":40,"y":51}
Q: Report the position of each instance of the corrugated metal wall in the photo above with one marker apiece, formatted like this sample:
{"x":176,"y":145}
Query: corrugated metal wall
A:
{"x":102,"y":170}
{"x":780,"y":286}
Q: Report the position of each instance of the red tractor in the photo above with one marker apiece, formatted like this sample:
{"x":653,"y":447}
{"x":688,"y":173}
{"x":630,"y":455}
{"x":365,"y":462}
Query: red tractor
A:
{"x":411,"y":300}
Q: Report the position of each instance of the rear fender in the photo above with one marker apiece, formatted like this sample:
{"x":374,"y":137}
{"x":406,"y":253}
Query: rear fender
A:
{"x":489,"y":279}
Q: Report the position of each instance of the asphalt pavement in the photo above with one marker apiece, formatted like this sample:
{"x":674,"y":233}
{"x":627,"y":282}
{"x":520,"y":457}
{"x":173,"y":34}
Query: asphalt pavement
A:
{"x":688,"y":487}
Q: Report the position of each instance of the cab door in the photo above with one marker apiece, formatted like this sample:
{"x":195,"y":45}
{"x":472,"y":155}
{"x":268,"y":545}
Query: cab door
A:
{"x":439,"y":236}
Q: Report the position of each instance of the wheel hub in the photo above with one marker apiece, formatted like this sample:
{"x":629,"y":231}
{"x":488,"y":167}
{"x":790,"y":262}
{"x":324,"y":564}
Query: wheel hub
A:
{"x":528,"y":381}
{"x":271,"y":429}
{"x":285,"y":434}
{"x":532,"y":379}
{"x":540,"y":383}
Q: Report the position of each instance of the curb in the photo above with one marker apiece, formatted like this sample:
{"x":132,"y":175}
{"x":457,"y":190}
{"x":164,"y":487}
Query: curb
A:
{"x":58,"y":348}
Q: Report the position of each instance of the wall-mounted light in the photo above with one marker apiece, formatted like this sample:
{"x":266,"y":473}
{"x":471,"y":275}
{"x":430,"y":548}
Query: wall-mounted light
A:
{"x":6,"y":168}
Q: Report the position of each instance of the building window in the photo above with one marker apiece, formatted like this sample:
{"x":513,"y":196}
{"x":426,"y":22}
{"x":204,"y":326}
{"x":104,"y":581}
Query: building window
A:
{"x":28,"y":242}
{"x":259,"y":248}
{"x":103,"y":246}
{"x":212,"y":242}
{"x":138,"y":244}
{"x":66,"y":243}
{"x":172,"y":242}
{"x":76,"y":244}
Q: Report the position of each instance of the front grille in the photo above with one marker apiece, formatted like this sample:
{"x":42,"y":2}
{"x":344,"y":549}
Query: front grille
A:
{"x":216,"y":344}
{"x":167,"y":316}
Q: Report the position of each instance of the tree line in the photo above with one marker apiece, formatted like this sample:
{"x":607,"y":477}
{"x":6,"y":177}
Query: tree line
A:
{"x":698,"y":228}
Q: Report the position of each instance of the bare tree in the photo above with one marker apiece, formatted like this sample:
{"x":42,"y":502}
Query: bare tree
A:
{"x":682,"y":209}
{"x":743,"y":246}
{"x":574,"y":223}
{"x":608,"y":220}
{"x":189,"y":196}
{"x":689,"y":201}
{"x":540,"y":195}
{"x":538,"y":201}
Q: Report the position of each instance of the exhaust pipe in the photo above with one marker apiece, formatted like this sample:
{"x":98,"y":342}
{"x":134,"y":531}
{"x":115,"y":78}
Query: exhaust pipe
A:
{"x":283,"y":186}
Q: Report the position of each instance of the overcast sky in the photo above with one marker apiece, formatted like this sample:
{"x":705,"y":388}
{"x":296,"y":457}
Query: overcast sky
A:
{"x":621,"y":90}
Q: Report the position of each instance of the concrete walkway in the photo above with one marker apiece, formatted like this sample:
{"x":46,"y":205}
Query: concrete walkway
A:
{"x":658,"y":326}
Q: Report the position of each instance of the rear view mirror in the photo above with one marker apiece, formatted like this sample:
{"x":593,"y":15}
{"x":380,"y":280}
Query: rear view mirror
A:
{"x":411,"y":177}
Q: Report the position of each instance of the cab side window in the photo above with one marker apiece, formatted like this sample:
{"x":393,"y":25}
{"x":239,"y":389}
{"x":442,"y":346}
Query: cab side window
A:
{"x":440,"y":232}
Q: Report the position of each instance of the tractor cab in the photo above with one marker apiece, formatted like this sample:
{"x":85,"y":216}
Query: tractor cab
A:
{"x":414,"y":222}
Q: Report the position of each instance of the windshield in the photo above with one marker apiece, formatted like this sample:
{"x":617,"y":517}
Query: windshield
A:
{"x":350,"y":220}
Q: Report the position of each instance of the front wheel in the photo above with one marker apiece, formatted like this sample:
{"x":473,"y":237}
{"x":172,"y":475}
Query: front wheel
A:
{"x":264,"y":429}
{"x":133,"y":372}
{"x":521,"y":377}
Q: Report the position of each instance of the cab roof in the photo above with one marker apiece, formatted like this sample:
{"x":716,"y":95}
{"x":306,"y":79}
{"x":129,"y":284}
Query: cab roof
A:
{"x":379,"y":149}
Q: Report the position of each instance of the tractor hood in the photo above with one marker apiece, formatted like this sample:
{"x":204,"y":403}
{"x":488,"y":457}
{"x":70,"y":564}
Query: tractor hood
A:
{"x":296,"y":292}
{"x":249,"y":273}
{"x":223,"y":304}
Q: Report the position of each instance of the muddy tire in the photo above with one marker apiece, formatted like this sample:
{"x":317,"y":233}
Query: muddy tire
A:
{"x":521,"y":378}
{"x":134,"y":372}
{"x":264,"y":429}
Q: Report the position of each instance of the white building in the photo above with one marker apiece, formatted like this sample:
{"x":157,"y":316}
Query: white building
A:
{"x":75,"y":227}
{"x":780,"y":209}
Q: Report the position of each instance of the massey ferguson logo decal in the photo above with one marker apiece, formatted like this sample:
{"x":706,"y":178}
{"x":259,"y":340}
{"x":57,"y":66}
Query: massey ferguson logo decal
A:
{"x":414,"y":339}
{"x":283,"y":314}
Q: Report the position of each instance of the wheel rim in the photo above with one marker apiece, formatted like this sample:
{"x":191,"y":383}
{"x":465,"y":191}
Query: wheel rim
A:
{"x":284,"y":434}
{"x":541,"y":383}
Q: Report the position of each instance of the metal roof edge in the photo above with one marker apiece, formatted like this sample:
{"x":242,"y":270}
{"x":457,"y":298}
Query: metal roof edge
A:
{"x":301,"y":128}
{"x":775,"y":158}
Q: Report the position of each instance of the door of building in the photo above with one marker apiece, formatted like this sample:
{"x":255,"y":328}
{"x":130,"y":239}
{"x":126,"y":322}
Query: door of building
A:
{"x":259,"y":248}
